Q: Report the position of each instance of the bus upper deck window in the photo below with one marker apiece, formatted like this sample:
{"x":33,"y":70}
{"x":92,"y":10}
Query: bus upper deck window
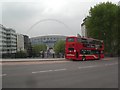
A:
{"x":70,"y":39}
{"x":79,"y":39}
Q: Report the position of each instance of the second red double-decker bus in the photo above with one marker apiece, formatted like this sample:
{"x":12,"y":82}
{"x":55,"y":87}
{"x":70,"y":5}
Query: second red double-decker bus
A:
{"x":81,"y":48}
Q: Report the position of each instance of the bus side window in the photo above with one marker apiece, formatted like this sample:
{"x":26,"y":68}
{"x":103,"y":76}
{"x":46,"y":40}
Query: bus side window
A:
{"x":84,"y":41}
{"x":78,"y":39}
{"x":82,"y":51}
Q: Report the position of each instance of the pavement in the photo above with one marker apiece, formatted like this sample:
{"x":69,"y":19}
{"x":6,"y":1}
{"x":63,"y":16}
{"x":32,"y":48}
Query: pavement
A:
{"x":31,"y":59}
{"x":38,"y":59}
{"x":62,"y":74}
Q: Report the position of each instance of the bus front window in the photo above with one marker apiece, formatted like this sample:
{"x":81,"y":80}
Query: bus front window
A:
{"x":71,"y":49}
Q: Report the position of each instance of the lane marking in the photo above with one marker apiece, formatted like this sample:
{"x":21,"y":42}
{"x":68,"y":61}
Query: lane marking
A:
{"x":97,"y":66}
{"x":42,"y":71}
{"x":49,"y":71}
{"x":60,"y":69}
{"x":87,"y":67}
{"x":111,"y":64}
{"x":3,"y":75}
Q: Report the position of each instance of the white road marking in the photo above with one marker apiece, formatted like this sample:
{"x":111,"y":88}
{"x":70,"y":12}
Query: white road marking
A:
{"x":49,"y":71}
{"x":60,"y":69}
{"x":42,"y":71}
{"x":78,"y":68}
{"x":3,"y":75}
{"x":97,"y":66}
{"x":87,"y":67}
{"x":111,"y":64}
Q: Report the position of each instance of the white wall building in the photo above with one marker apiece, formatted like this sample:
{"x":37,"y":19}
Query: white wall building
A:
{"x":3,"y":40}
{"x":11,"y":41}
{"x":119,"y":3}
{"x":20,"y":42}
{"x":8,"y":41}
{"x":83,"y":30}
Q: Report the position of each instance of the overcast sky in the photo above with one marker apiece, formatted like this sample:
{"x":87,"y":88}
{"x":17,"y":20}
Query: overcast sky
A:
{"x":62,"y":17}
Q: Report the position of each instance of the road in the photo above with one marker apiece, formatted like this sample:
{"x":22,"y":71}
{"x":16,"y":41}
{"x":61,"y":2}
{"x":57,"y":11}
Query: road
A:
{"x":61,"y":74}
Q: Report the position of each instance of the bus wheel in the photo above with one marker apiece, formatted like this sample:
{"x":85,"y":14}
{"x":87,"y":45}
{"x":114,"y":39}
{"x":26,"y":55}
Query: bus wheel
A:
{"x":83,"y":58}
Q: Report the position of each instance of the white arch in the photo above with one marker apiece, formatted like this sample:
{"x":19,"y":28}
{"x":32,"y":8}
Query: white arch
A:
{"x":44,"y":20}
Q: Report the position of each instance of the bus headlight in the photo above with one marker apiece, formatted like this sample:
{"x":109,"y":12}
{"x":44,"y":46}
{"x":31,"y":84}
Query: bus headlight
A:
{"x":74,"y":50}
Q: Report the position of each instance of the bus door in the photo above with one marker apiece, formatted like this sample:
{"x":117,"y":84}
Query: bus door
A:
{"x":77,"y":54}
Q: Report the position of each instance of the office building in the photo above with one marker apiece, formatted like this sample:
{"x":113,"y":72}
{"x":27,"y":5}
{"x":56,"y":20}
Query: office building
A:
{"x":83,"y":29}
{"x":24,"y":44}
{"x":8,"y":42}
{"x":20,"y":42}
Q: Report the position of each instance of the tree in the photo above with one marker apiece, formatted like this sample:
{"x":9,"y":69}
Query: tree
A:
{"x":38,"y":48}
{"x":59,"y":47}
{"x":21,"y":54}
{"x":118,"y":18}
{"x":102,"y":23}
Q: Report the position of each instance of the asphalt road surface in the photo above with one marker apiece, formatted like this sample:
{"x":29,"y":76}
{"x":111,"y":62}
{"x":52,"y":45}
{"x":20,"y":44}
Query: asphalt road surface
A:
{"x":61,"y":74}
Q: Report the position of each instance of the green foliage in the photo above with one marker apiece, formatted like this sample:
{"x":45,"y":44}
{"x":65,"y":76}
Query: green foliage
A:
{"x":59,"y":47}
{"x":37,"y":48}
{"x":118,"y":25}
{"x":21,"y":54}
{"x":102,"y":23}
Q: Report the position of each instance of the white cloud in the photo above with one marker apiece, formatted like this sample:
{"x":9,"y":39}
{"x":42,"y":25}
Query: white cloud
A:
{"x":22,"y":14}
{"x":54,"y":7}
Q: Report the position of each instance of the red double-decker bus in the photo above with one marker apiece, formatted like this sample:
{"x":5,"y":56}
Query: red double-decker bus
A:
{"x":81,"y":48}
